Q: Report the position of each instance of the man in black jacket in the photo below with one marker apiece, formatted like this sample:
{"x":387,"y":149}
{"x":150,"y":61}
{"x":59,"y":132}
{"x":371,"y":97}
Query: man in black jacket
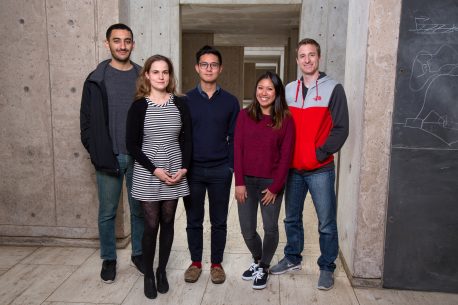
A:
{"x":107,"y":95}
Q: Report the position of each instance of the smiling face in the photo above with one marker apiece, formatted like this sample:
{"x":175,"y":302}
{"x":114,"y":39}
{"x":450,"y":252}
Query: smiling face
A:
{"x":265,"y":94}
{"x":120,"y":44}
{"x":158,"y":76}
{"x":209,"y":68}
{"x":308,"y":60}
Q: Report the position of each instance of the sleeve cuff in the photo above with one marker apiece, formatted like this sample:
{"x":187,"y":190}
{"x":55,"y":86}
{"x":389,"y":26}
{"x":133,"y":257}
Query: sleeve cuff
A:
{"x":321,"y":155}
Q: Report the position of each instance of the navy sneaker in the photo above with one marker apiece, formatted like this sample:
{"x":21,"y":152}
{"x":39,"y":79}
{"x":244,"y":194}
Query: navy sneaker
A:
{"x":248,"y":275}
{"x":260,"y":279}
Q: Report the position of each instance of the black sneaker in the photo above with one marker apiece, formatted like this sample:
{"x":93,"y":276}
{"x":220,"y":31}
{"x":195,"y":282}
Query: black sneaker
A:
{"x":108,"y":272}
{"x":137,"y":262}
{"x":248,"y":275}
{"x":260,"y":279}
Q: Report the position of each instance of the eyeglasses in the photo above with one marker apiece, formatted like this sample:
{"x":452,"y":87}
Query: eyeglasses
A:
{"x":205,"y":65}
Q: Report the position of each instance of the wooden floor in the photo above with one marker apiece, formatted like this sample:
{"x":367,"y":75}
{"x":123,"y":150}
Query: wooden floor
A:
{"x":63,"y":276}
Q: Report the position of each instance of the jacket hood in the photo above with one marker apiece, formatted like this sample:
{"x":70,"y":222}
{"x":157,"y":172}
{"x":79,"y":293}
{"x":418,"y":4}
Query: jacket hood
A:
{"x":321,"y":79}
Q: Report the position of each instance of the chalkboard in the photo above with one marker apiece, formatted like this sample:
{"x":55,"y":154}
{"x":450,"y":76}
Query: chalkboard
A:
{"x":421,"y":245}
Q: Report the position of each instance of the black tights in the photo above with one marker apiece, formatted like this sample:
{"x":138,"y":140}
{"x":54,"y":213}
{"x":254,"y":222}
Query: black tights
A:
{"x":158,"y":213}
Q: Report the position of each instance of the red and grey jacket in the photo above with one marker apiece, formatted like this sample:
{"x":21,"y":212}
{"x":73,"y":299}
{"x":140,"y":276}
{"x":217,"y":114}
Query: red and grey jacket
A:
{"x":321,"y":120}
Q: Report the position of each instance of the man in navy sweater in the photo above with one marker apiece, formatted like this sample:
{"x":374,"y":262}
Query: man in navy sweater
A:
{"x":213,"y":113}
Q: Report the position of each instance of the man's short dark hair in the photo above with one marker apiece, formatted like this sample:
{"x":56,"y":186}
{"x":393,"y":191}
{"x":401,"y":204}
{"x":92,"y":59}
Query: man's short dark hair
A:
{"x":208,"y":50}
{"x":118,"y":26}
{"x":309,"y":41}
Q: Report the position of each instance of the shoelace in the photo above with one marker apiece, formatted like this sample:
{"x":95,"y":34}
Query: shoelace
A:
{"x":258,"y":274}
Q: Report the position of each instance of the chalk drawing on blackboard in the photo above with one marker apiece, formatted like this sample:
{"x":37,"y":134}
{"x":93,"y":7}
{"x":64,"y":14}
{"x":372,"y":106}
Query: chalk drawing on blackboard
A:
{"x":424,"y":25}
{"x":437,"y":74}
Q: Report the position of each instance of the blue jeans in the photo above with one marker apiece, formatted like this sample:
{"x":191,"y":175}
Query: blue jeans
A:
{"x":321,"y":187}
{"x":217,"y":182}
{"x":109,"y":190}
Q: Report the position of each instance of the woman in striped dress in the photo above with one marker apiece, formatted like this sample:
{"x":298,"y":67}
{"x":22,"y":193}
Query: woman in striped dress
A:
{"x":158,"y":136}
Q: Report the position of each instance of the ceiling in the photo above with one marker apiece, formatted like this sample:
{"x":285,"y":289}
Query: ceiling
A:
{"x":265,"y":25}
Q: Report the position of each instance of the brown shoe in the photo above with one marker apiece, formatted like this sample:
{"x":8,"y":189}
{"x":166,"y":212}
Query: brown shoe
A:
{"x":217,"y":275}
{"x":191,"y":275}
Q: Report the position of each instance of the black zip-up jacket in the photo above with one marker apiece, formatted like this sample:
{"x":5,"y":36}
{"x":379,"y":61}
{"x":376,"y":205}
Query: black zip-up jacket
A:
{"x":135,"y":127}
{"x":95,"y":134}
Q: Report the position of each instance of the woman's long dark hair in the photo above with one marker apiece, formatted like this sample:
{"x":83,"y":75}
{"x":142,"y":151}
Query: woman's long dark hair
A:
{"x":279,"y":109}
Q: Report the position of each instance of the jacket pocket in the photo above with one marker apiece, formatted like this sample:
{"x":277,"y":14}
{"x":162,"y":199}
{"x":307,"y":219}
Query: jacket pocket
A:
{"x":310,"y":160}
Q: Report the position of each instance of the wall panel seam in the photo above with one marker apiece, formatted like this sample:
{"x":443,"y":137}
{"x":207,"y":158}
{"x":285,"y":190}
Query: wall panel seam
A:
{"x":51,"y":114}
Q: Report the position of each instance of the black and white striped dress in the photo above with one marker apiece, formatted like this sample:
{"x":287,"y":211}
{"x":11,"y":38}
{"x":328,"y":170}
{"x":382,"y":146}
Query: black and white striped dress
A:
{"x":160,"y":144}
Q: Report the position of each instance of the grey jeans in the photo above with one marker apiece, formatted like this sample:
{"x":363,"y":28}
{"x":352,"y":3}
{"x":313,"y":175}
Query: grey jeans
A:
{"x":262,"y":251}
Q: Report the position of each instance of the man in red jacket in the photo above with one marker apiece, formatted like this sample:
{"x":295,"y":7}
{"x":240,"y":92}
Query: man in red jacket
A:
{"x":319,"y":109}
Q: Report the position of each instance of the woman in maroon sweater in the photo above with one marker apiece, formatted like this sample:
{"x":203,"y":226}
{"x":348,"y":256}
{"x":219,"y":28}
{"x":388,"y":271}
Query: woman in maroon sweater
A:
{"x":263,"y":146}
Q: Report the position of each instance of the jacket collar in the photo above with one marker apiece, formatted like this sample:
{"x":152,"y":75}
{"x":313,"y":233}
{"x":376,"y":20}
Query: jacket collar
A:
{"x":98,"y":75}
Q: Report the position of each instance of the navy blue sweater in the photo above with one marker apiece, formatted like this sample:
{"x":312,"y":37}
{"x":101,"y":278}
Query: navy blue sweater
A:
{"x":213,"y":125}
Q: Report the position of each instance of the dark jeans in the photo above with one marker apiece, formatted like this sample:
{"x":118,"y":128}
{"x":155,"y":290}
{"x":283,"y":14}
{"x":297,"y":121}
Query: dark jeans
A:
{"x":248,"y":215}
{"x":217,"y":182}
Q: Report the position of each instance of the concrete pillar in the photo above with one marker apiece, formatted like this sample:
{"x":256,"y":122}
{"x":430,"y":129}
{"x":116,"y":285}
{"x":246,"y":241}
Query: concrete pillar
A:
{"x":48,"y":186}
{"x":292,"y":69}
{"x":326,"y":22}
{"x":191,"y":43}
{"x":156,"y":24}
{"x":372,"y":42}
{"x":249,"y":80}
{"x":232,"y":77}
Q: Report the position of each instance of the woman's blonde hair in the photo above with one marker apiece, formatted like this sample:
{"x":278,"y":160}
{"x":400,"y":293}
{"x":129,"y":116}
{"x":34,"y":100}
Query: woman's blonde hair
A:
{"x":143,"y":84}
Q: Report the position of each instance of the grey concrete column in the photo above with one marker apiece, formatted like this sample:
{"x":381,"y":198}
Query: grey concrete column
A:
{"x":156,"y":25}
{"x":363,"y":186}
{"x":326,"y":22}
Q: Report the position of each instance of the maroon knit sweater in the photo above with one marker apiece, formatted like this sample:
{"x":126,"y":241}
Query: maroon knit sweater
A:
{"x":262,"y":151}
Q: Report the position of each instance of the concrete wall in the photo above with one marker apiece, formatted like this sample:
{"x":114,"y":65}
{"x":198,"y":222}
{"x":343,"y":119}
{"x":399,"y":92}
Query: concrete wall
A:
{"x":27,"y":184}
{"x":326,"y":22}
{"x":231,"y":78}
{"x":156,"y":24}
{"x":48,"y":190}
{"x":371,"y":51}
{"x":191,"y":43}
